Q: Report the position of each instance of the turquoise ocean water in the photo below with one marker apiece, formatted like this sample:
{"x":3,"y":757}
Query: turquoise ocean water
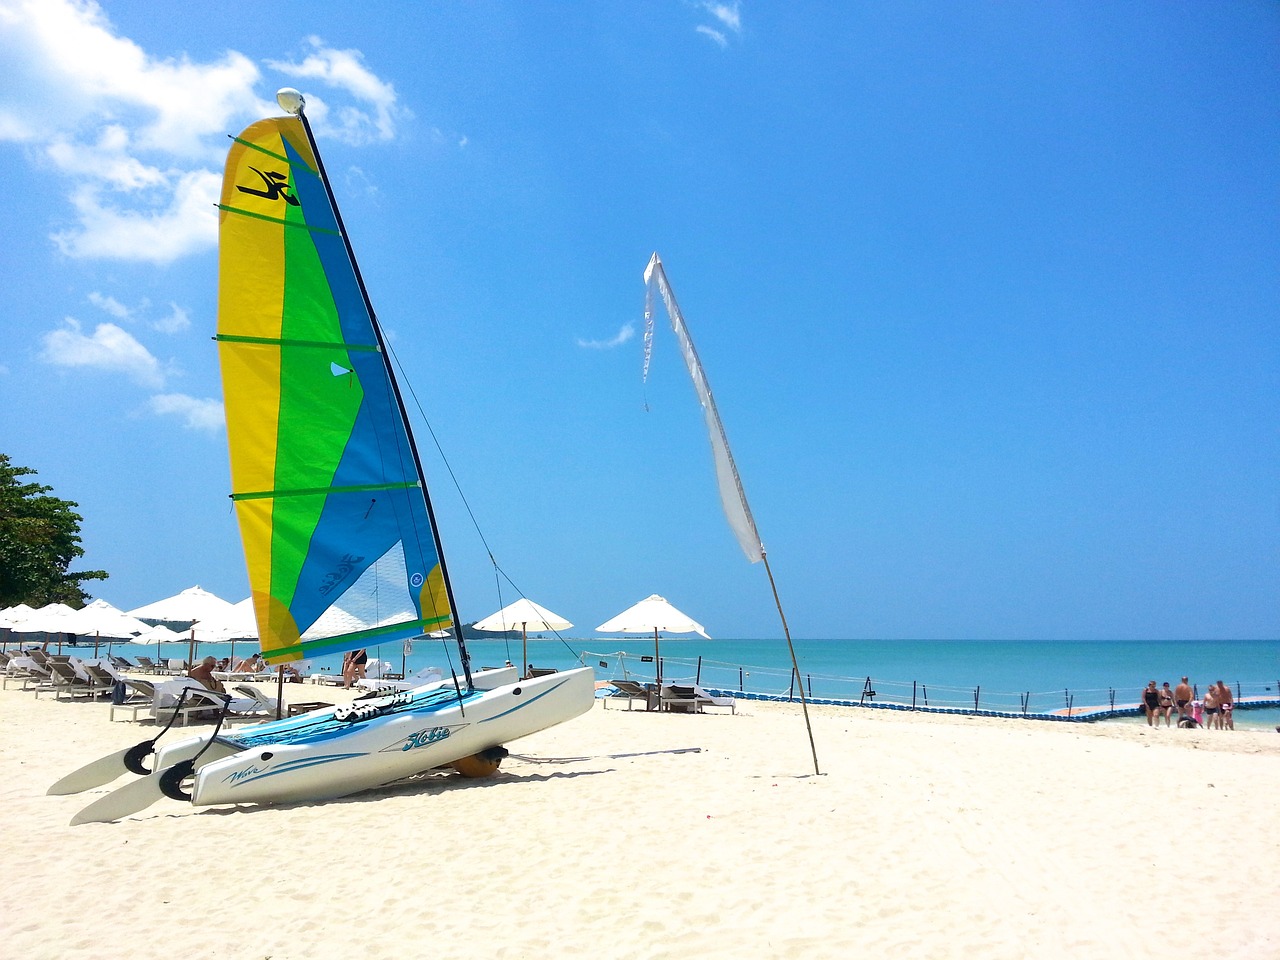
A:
{"x":1047,"y":675}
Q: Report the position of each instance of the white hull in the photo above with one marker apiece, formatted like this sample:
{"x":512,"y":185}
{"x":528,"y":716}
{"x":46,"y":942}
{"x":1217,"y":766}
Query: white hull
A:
{"x":318,"y":757}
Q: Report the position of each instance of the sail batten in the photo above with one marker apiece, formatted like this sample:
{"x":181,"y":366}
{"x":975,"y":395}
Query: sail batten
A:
{"x":293,"y":163}
{"x":339,"y":542}
{"x":226,"y":208}
{"x":321,"y":491}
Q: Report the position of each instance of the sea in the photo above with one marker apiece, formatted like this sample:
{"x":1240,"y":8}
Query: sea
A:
{"x":1033,"y":676}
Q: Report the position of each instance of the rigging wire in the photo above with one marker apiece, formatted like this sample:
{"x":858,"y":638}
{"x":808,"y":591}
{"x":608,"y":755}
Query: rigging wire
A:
{"x":499,"y":574}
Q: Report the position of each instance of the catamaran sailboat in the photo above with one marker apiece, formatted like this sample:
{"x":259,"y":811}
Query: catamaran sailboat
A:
{"x":339,"y":535}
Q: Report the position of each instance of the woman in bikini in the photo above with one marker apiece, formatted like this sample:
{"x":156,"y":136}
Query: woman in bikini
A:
{"x":1151,"y":703}
{"x":1166,"y":703}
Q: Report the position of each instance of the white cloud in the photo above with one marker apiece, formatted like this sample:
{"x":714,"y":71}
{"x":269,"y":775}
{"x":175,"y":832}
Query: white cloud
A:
{"x":345,"y":70}
{"x":623,"y":335}
{"x":196,"y":414}
{"x":75,"y":71}
{"x":109,"y":305}
{"x":715,"y":35}
{"x":110,"y":349}
{"x":138,"y":136}
{"x":726,"y":13}
{"x":179,"y":319}
{"x":108,"y":230}
{"x":728,"y":19}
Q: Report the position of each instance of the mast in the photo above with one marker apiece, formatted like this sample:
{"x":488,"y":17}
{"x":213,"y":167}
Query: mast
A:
{"x":293,"y":102}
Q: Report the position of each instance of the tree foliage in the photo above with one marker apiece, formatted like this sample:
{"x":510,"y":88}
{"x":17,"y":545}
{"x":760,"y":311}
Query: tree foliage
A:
{"x":39,"y":539}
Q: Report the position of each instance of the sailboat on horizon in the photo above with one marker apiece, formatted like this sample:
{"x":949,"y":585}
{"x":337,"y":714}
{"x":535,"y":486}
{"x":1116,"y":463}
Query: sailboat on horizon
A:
{"x":334,"y":514}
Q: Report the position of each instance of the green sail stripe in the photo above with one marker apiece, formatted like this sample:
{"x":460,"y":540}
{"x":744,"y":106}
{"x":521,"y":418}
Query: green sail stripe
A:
{"x":321,"y":491}
{"x":286,"y":223}
{"x":348,"y":641}
{"x":275,"y":341}
{"x":277,"y":156}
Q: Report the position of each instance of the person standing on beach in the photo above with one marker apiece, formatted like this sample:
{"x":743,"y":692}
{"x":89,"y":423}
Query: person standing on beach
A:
{"x":1226,"y":707}
{"x":1211,"y":708}
{"x":353,"y":666}
{"x":1166,"y":703}
{"x":1182,"y":696}
{"x":1151,"y":702}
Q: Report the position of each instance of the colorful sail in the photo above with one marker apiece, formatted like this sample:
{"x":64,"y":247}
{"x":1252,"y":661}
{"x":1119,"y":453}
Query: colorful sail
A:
{"x":732,"y":497}
{"x":337,"y":531}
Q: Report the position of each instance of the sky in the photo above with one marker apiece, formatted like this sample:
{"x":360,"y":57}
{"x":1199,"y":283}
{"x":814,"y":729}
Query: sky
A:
{"x":988,"y":295}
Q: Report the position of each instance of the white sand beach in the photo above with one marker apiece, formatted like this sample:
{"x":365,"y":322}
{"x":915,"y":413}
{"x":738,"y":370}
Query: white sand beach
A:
{"x":626,"y":834}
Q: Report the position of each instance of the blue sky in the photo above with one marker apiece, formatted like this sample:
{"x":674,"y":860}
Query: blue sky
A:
{"x":987,"y":294}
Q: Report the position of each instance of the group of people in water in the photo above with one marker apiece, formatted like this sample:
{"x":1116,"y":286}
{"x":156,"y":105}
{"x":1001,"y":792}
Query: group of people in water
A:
{"x":1214,"y":711}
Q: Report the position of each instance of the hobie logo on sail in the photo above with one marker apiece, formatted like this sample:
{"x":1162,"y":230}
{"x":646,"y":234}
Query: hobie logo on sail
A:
{"x":336,"y":577}
{"x":276,"y":184}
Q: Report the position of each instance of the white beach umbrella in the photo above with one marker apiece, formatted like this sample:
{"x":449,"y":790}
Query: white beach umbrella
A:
{"x":100,"y":619}
{"x":193,"y":605}
{"x":239,"y":624}
{"x":189,"y":608}
{"x":524,"y":614}
{"x":52,"y":618}
{"x":653,"y":614}
{"x":13,"y":617}
{"x":159,"y":634}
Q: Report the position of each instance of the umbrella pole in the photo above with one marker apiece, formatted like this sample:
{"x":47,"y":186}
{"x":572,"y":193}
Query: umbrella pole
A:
{"x":97,"y":638}
{"x":657,"y":670}
{"x":524,"y":651}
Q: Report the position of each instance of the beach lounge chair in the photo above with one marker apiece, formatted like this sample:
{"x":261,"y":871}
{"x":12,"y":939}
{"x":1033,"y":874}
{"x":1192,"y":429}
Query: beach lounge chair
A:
{"x":423,"y":676}
{"x":102,"y":677}
{"x":631,"y":692}
{"x":147,"y":665}
{"x":65,"y":680}
{"x":263,"y":704}
{"x":26,"y":671}
{"x":200,"y":700}
{"x":681,"y":699}
{"x":139,"y":697}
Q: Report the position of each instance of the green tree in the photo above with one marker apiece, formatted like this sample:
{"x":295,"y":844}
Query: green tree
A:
{"x":39,"y":538}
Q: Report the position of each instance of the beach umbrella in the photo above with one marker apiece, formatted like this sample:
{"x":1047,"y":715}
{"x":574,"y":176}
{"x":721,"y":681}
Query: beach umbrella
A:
{"x":101,"y":619}
{"x":159,"y":634}
{"x":193,"y":605}
{"x":10,"y":617}
{"x":524,"y":614}
{"x":52,"y":618}
{"x":186,"y":609}
{"x":239,"y":623}
{"x":657,"y":615}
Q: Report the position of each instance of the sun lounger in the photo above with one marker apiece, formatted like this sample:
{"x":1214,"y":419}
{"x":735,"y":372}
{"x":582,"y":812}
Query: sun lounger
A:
{"x":139,"y":697}
{"x":423,"y":676}
{"x":65,"y":680}
{"x":26,"y":671}
{"x":263,"y":704}
{"x":631,"y":692}
{"x":682,"y":699}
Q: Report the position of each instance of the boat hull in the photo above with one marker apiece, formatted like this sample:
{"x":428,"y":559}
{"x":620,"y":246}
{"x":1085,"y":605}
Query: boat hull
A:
{"x":320,"y":757}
